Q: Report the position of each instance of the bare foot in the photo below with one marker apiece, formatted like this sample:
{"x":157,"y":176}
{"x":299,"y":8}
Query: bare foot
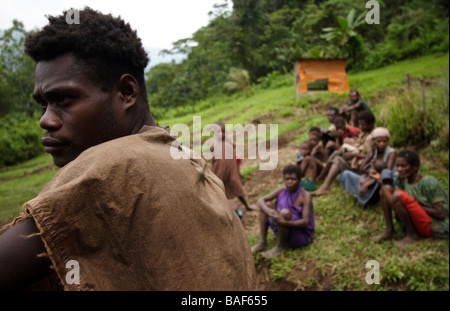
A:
{"x":274,"y":252}
{"x":406,"y":241}
{"x":387,"y":235}
{"x":259,"y":247}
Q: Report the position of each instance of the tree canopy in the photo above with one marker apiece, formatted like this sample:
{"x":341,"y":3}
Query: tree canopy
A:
{"x":259,"y":38}
{"x":266,"y":36}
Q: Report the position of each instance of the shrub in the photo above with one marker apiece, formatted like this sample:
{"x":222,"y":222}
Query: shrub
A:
{"x":20,"y":139}
{"x":405,"y":116}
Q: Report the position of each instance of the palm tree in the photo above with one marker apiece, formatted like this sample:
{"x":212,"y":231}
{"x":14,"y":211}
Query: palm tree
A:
{"x":345,"y":35}
{"x":238,"y":80}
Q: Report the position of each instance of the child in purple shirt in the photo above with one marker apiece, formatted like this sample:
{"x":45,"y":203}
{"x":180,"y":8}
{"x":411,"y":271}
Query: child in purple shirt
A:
{"x":291,"y":217}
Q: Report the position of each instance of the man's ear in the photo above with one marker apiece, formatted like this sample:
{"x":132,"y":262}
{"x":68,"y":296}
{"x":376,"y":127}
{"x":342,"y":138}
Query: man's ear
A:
{"x":128,"y":90}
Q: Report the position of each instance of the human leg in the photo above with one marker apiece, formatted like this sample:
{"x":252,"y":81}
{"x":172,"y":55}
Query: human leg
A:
{"x":324,"y":171}
{"x":403,"y":215}
{"x":349,"y":181}
{"x":365,"y":183}
{"x":354,"y":118}
{"x":416,"y":220}
{"x":263,"y":227}
{"x":334,"y":171}
{"x":386,"y":199}
{"x":282,"y":237}
{"x":330,"y":147}
{"x":247,"y":207}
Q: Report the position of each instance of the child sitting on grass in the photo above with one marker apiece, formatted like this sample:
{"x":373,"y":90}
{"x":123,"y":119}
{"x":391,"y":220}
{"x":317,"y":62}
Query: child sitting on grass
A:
{"x":291,"y":217}
{"x":308,"y":166}
{"x":319,"y":152}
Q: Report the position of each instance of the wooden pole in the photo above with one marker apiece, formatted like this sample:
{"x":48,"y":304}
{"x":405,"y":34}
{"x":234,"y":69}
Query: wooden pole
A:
{"x":424,"y":107}
{"x":296,"y":80}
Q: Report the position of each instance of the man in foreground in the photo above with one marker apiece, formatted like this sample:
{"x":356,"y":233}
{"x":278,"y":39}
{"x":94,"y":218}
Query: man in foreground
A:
{"x":130,"y":216}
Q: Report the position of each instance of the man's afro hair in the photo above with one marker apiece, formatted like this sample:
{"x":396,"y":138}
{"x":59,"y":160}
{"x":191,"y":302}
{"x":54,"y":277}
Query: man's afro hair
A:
{"x":101,"y":42}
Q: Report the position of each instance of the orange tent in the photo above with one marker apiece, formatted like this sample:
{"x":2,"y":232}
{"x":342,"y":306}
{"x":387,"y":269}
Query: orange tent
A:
{"x":311,"y":70}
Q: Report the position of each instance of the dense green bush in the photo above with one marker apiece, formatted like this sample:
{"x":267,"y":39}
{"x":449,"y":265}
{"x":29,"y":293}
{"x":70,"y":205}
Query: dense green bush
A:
{"x":20,"y":138}
{"x":405,"y":116}
{"x":408,"y":37}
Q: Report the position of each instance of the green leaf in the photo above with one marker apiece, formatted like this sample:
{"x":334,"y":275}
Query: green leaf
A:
{"x":343,"y":22}
{"x":350,"y":17}
{"x":328,"y":29}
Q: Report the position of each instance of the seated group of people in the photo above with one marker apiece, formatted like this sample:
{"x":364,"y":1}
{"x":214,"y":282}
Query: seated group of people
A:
{"x":365,"y":165}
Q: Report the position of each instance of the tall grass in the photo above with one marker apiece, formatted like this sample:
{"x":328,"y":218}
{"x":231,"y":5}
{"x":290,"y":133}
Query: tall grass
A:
{"x":342,"y":246}
{"x":413,"y":123}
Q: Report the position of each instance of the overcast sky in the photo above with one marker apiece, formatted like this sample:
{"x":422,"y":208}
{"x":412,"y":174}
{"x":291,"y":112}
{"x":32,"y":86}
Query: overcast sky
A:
{"x":159,"y":23}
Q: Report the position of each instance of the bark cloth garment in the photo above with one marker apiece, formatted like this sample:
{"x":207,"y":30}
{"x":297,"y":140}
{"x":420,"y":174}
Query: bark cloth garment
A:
{"x":137,"y":219}
{"x":225,"y":167}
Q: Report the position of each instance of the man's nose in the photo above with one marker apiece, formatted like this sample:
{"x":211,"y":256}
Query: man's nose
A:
{"x":50,"y":120}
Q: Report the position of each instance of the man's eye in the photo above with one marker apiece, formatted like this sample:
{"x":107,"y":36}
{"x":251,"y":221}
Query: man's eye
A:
{"x":60,"y":99}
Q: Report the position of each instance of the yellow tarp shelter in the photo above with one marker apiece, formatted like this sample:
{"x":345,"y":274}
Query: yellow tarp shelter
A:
{"x":311,"y":70}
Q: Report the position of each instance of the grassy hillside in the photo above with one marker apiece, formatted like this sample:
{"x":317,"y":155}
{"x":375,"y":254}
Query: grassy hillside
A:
{"x":342,"y":247}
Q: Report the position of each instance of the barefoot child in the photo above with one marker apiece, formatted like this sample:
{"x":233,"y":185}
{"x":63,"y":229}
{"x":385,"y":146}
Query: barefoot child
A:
{"x":291,"y":217}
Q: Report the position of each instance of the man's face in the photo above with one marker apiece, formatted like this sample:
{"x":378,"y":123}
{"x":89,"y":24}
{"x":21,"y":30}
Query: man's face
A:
{"x":365,"y":127}
{"x":354,"y":97}
{"x":77,"y":114}
{"x":314,"y":139}
{"x":340,"y":130}
{"x":331,"y":115}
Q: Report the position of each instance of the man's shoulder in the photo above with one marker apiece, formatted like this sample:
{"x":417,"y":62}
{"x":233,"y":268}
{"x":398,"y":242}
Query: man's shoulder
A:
{"x":305,"y":194}
{"x":431,"y":182}
{"x":130,"y":145}
{"x":126,"y":152}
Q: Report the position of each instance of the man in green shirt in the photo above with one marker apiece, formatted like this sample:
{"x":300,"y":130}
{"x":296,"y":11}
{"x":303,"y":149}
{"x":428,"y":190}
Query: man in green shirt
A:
{"x":354,"y":107}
